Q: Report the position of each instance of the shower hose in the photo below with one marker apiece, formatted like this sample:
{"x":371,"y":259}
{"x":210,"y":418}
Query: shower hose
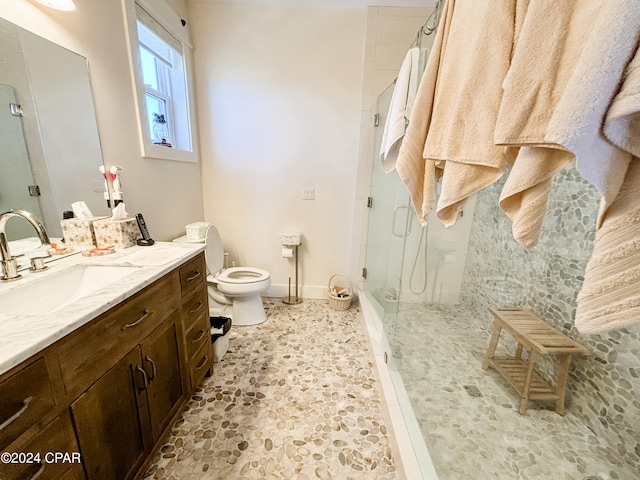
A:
{"x":423,"y":237}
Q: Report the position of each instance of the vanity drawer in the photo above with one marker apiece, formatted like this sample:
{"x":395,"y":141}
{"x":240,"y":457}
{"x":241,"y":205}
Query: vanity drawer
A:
{"x":25,"y":398}
{"x":192,"y":275}
{"x":88,"y":353}
{"x":56,"y":438}
{"x":195,"y":307}
{"x":201,"y":364}
{"x":197,"y":336}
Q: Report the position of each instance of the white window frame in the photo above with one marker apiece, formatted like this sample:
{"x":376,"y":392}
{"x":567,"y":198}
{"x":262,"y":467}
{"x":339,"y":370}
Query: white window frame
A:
{"x":167,"y":18}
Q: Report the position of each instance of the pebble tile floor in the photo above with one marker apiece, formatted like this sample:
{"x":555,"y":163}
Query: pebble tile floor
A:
{"x":469,"y":416}
{"x":293,"y":398}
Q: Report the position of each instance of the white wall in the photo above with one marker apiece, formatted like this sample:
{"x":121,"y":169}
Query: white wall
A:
{"x":167,"y":193}
{"x":279,"y":90}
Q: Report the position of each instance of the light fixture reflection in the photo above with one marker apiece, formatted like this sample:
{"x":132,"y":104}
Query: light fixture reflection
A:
{"x":64,"y":5}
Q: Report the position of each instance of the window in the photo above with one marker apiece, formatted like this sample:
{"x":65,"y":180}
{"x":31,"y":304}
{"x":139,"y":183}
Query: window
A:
{"x":160,"y":58}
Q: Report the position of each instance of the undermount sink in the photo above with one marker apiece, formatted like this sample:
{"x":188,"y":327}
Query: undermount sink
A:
{"x":56,"y":290}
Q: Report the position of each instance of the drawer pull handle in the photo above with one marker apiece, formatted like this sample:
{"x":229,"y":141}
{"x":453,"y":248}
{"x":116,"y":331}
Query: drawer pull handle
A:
{"x":203,"y":363}
{"x":145,"y":380}
{"x":154,"y":370}
{"x":18,"y":414}
{"x":39,"y":472}
{"x":145,"y":314}
{"x":197,"y":307}
{"x":195,"y":275}
{"x":199,"y":337}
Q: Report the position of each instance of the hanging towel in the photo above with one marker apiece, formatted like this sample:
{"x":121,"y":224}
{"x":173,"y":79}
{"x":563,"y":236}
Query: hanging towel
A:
{"x":567,"y":66}
{"x":610,"y":295}
{"x":525,"y":194}
{"x":404,"y":94}
{"x":450,"y":132}
{"x":419,"y":177}
{"x":622,"y":128}
{"x":622,"y":123}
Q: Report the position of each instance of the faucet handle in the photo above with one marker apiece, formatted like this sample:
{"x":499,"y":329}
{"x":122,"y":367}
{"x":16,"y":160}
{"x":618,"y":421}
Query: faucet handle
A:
{"x":10,"y":269}
{"x":37,"y":264}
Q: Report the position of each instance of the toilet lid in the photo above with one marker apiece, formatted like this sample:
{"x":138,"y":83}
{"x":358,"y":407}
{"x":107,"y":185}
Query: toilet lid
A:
{"x":243,"y":275}
{"x":214,"y":252}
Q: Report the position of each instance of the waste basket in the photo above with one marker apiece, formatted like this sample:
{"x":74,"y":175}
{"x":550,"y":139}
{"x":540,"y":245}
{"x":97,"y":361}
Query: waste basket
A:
{"x":220,"y":327}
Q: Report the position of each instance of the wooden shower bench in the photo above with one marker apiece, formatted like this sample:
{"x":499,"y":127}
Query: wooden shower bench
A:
{"x":539,"y":338}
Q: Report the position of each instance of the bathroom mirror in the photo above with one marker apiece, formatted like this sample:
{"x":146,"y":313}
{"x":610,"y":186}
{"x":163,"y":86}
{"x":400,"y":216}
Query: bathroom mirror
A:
{"x":49,"y":141}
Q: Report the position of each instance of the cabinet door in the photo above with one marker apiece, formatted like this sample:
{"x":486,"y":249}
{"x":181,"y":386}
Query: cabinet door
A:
{"x":112,"y":421}
{"x":161,"y":358}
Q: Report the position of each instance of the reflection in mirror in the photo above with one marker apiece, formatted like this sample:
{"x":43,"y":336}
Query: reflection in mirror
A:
{"x":54,"y":144}
{"x":15,"y":169}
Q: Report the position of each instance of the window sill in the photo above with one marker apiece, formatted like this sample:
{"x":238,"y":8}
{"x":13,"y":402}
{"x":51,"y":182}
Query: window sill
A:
{"x":168,"y":153}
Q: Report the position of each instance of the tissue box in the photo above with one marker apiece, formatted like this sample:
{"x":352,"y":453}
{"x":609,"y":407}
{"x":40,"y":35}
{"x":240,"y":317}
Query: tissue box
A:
{"x":79,"y":233}
{"x":119,"y":233}
{"x":197,"y":230}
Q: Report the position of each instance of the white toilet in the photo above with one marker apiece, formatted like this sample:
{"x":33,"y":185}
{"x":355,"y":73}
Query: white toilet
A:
{"x":239,"y":286}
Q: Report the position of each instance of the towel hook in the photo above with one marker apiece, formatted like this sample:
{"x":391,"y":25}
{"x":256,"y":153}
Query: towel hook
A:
{"x":427,"y":28}
{"x":434,"y":18}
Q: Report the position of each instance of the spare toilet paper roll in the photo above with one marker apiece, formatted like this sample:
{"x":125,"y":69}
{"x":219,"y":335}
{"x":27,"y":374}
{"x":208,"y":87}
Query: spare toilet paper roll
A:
{"x":287,"y":252}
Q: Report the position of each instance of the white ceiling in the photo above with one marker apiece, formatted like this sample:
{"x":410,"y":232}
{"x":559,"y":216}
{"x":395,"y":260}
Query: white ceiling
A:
{"x":334,"y":3}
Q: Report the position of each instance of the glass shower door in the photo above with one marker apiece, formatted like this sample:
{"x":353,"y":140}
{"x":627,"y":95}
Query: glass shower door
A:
{"x":392,"y":226}
{"x":388,"y":220}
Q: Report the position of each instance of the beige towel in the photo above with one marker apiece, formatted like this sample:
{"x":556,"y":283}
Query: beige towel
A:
{"x":545,"y":44}
{"x":622,"y":124}
{"x":566,"y":69}
{"x":525,"y":194}
{"x":419,"y":178}
{"x":610,"y":294}
{"x":402,"y":99}
{"x":451,"y":129}
{"x":622,"y":128}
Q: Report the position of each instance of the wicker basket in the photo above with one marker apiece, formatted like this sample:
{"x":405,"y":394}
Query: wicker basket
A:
{"x":340,"y":301}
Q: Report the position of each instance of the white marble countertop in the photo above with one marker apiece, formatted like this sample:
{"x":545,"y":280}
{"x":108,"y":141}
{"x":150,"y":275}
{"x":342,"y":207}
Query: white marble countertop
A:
{"x":22,"y":336}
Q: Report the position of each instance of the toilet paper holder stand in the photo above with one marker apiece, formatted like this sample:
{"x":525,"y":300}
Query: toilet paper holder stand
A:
{"x":289,"y":300}
{"x":291,"y":240}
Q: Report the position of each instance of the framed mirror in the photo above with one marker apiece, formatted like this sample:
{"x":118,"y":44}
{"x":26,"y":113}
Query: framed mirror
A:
{"x":49,"y":146}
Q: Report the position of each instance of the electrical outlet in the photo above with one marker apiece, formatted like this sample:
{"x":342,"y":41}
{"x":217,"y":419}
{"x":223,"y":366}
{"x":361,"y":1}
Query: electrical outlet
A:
{"x":97,"y":186}
{"x":308,"y":193}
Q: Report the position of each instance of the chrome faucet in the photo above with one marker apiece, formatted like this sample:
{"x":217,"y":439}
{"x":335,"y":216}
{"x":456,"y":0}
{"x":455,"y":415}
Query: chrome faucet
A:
{"x":9,"y":263}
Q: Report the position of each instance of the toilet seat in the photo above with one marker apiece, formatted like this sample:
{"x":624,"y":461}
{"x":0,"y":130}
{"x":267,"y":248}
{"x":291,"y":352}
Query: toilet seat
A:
{"x":242,"y":275}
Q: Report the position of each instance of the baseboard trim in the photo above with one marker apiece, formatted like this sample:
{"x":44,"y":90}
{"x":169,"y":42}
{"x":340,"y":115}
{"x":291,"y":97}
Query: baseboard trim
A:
{"x":304,"y":291}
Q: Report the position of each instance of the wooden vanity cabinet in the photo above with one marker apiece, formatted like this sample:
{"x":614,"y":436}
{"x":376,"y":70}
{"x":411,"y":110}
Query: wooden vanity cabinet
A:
{"x":122,"y":416}
{"x":113,"y":388}
{"x":195,"y":321}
